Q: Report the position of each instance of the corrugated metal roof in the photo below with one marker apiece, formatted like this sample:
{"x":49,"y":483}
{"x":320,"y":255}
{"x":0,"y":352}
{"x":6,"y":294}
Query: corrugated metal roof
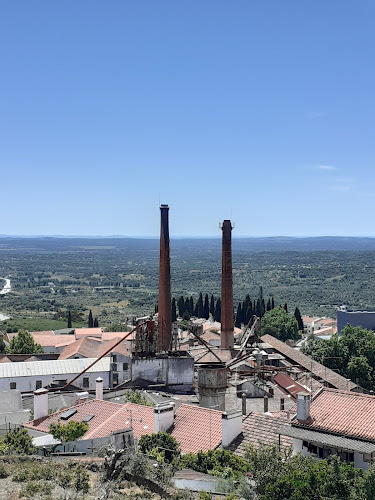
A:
{"x":327,"y":439}
{"x":54,"y":367}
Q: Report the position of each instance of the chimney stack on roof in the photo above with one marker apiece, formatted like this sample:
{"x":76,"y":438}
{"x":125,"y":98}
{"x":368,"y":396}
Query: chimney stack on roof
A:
{"x":303,"y":405}
{"x":163,"y":417}
{"x":99,"y":388}
{"x":40,"y":403}
{"x":227,"y":326}
{"x":165,"y":301}
{"x":231,"y":426}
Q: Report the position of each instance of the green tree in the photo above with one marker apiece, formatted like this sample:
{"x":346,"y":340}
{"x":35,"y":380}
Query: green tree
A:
{"x":160,"y":443}
{"x":69,"y":432}
{"x":280,"y":325}
{"x":17,"y":441}
{"x":238,"y":316}
{"x":117,"y":327}
{"x":137,"y":398}
{"x":2,"y":346}
{"x":298,"y":317}
{"x":23,"y":343}
{"x":200,"y":306}
{"x":96,"y":322}
{"x":212,"y":306}
{"x":217,"y":316}
{"x":69,"y":325}
{"x":360,"y":372}
{"x":90,"y":322}
{"x":174,"y":311}
{"x":181,"y":306}
{"x":206,"y":307}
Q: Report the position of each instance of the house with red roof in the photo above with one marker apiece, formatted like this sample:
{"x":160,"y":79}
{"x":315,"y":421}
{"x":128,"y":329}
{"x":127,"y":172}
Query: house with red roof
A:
{"x":194,"y":427}
{"x":334,"y":422}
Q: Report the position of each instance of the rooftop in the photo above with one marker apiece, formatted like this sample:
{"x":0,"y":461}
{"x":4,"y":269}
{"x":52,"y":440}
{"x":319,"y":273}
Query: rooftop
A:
{"x":345,"y":413}
{"x":260,"y":429}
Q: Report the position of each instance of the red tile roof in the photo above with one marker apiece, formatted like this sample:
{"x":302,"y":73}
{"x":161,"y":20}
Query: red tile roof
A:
{"x":260,"y":429}
{"x":108,"y":417}
{"x":87,"y":331}
{"x":93,"y":348}
{"x":349,"y":414}
{"x":197,"y":428}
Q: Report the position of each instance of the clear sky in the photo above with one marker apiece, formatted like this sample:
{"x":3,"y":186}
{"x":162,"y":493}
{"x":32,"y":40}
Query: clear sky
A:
{"x":259,"y":111}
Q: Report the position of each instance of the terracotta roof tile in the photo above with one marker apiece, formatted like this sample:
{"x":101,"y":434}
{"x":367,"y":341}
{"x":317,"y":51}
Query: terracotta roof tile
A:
{"x":259,"y":429}
{"x":197,"y":428}
{"x":94,"y":348}
{"x":344,"y":413}
{"x":288,"y":385}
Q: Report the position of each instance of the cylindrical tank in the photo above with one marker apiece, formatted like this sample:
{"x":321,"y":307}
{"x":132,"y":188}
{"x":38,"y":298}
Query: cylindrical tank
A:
{"x":212,"y":384}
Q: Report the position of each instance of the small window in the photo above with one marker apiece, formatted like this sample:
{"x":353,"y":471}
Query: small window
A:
{"x":114,"y":357}
{"x":13,"y":385}
{"x":114,"y":367}
{"x":125,"y":366}
{"x":86,"y":382}
{"x":66,"y":415}
{"x":38,"y":384}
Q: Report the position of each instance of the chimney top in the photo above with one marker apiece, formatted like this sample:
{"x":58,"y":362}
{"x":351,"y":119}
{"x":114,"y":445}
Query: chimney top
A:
{"x":40,"y":391}
{"x":99,"y":379}
{"x":164,"y":206}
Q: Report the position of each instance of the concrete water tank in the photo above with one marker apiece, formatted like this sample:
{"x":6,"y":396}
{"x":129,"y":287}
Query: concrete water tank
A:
{"x":212,"y":384}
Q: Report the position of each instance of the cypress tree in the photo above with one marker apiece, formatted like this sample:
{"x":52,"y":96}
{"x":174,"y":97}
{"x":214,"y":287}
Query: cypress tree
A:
{"x":181,"y":306}
{"x":206,"y":308}
{"x":187,"y":306}
{"x":258,"y":309}
{"x":174,"y":311}
{"x":200,"y":306}
{"x":90,"y":322}
{"x":191,"y":307}
{"x":286,"y":307}
{"x":263,"y":307}
{"x":196,"y":310}
{"x":212,"y":306}
{"x":269,"y":305}
{"x":69,"y":319}
{"x":298,"y":317}
{"x":238,"y":316}
{"x":96,"y":322}
{"x":261,"y":293}
{"x":217,"y":316}
{"x":246,"y":303}
{"x":272,"y":304}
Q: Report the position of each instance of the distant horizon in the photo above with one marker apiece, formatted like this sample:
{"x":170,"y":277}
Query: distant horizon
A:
{"x":179,"y":237}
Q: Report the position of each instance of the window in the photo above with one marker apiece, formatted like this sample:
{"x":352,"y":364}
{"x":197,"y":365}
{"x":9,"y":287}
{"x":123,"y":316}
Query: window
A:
{"x":114,"y":367}
{"x":13,"y":385}
{"x":114,"y":357}
{"x":86,"y":382}
{"x":125,"y":366}
{"x":38,"y":384}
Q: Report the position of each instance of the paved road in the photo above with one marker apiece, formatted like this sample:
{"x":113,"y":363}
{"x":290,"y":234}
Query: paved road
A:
{"x":6,"y":289}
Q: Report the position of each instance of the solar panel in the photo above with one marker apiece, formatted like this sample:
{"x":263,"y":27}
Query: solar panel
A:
{"x":88,"y":418}
{"x":66,"y":415}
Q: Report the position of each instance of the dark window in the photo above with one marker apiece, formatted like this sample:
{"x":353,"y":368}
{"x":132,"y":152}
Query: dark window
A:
{"x":13,"y":385}
{"x":114,"y":357}
{"x":114,"y":367}
{"x":38,"y":384}
{"x":86,"y":382}
{"x":66,"y":415}
{"x":115,"y":379}
{"x":88,"y":418}
{"x":125,"y":366}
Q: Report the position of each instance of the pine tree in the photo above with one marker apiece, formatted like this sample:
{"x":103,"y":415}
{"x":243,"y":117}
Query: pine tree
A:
{"x":298,"y":317}
{"x":286,"y":307}
{"x":217,"y":315}
{"x":90,"y":322}
{"x":96,"y":322}
{"x":174,"y":311}
{"x":206,"y":308}
{"x":238,"y":316}
{"x":200,"y":306}
{"x":69,"y":319}
{"x":212,"y":306}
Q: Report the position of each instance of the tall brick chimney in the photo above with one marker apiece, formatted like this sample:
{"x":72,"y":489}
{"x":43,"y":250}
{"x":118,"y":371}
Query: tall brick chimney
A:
{"x":226,"y":287}
{"x":165,"y":304}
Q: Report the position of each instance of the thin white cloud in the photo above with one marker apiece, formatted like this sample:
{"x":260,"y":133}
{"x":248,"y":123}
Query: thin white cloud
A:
{"x":327,"y":168}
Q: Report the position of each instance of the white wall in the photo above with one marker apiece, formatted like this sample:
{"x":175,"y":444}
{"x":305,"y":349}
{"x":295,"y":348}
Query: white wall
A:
{"x":196,"y":484}
{"x":178,"y":372}
{"x":28,"y":384}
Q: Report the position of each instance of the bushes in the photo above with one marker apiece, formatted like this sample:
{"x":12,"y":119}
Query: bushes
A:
{"x":220,"y":463}
{"x":70,"y":431}
{"x":160,"y":445}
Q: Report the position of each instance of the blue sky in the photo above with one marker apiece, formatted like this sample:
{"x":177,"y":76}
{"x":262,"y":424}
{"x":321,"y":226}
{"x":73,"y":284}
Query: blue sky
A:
{"x":259,"y":111}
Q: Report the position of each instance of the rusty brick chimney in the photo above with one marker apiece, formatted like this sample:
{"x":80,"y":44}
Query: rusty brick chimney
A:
{"x":165,"y":305}
{"x":226,"y":287}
